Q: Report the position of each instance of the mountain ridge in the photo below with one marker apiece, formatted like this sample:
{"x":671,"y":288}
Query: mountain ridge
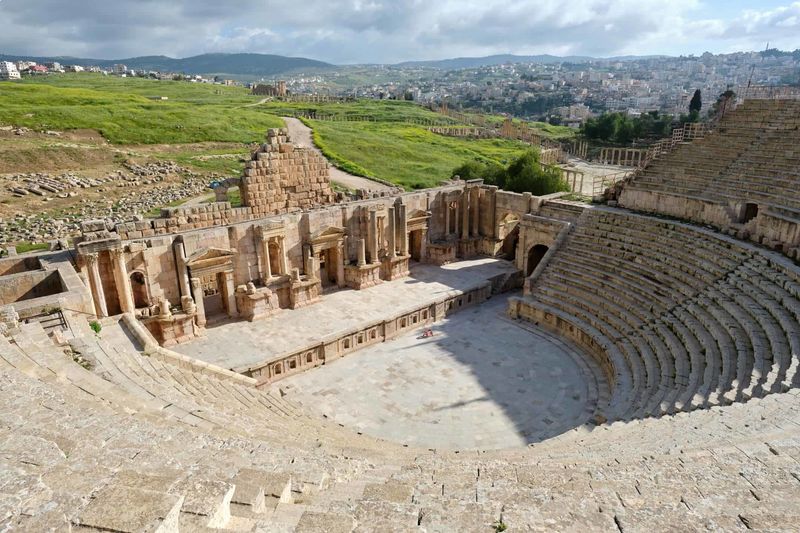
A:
{"x":264,"y":65}
{"x":243,"y":64}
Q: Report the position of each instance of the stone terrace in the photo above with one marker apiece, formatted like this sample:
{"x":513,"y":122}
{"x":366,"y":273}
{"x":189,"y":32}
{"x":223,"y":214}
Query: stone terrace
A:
{"x":239,"y":345}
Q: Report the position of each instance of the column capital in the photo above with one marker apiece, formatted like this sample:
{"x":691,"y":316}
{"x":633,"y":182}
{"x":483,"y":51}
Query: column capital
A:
{"x":91,"y":258}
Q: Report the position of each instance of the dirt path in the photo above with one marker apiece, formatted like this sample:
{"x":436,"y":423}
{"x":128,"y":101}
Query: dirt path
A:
{"x":301,"y":135}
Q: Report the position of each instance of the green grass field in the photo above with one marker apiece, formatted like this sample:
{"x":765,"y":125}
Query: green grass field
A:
{"x":376,"y":110}
{"x":119,"y":108}
{"x":123,"y":111}
{"x":407,"y":155}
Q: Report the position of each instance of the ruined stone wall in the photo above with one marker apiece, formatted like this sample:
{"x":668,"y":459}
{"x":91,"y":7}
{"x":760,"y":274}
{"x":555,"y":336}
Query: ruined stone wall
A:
{"x":281,"y":178}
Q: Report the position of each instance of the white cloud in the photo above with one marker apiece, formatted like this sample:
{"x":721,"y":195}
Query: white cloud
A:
{"x":384,"y":30}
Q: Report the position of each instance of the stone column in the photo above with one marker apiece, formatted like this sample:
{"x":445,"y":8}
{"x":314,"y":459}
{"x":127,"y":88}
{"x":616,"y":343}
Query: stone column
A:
{"x":392,"y":235}
{"x":96,"y":285}
{"x":446,"y":219}
{"x":267,"y":259}
{"x":465,"y":214}
{"x":362,"y":253}
{"x":197,"y":294}
{"x":180,"y":262}
{"x":340,"y":282}
{"x":372,"y":234}
{"x":124,"y":291}
{"x":229,"y":293}
{"x":308,"y":263}
{"x":476,"y":220}
{"x":423,"y":247}
{"x":284,"y":259}
{"x":457,"y":218}
{"x":403,"y":230}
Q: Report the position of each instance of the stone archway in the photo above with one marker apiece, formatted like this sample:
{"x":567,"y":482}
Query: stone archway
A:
{"x":510,"y":244}
{"x":139,"y":287}
{"x":535,"y":255}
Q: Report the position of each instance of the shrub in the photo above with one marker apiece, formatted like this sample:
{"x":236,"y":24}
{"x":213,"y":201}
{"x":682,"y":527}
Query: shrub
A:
{"x":524,"y":174}
{"x":96,"y":326}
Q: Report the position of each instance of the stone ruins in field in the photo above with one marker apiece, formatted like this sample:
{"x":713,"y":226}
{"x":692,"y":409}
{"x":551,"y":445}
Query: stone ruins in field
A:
{"x":680,"y":305}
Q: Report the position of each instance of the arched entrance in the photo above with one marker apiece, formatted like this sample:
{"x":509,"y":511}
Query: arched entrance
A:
{"x":509,"y":249}
{"x":535,"y":256}
{"x":139,"y":288}
{"x":508,"y":231}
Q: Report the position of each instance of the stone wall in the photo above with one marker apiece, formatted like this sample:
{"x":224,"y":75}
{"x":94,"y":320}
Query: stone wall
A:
{"x":281,"y":177}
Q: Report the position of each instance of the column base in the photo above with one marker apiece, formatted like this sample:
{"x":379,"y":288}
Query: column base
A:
{"x":392,"y":269}
{"x":362,"y":277}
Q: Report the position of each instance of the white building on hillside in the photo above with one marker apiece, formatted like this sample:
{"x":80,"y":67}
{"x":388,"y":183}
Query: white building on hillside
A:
{"x":8,"y":71}
{"x":119,"y":70}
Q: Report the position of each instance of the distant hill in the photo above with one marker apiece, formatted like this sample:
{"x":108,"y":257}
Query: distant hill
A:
{"x":252,"y":65}
{"x":502,"y":59}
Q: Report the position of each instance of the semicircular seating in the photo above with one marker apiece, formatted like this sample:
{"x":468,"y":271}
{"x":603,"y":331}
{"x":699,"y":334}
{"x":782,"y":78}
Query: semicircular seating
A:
{"x":680,"y":317}
{"x":752,"y":156}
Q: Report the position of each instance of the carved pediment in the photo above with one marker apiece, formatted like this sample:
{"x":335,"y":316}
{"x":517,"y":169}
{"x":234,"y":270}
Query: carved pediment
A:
{"x":326,"y":234}
{"x":269,"y":229}
{"x":325,"y":238}
{"x":210,"y":259}
{"x":418,"y":213}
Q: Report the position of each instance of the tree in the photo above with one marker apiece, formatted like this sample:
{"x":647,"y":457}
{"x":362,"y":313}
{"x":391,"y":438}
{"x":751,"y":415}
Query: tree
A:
{"x":723,"y":103}
{"x":524,"y":174}
{"x":527,"y":174}
{"x":696,"y":104}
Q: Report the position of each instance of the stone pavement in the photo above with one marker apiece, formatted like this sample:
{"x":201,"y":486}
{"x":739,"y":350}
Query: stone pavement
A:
{"x":237,"y":344}
{"x":481,"y":382}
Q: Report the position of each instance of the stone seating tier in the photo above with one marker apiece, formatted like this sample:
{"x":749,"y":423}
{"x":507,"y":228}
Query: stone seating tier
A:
{"x":686,"y":318}
{"x":753,"y":156}
{"x":90,"y":463}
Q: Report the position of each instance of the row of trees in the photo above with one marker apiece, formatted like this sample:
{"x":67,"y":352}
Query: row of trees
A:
{"x":524,"y":174}
{"x":621,"y":128}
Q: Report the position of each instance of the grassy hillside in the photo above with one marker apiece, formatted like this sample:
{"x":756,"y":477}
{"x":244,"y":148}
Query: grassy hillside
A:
{"x":408,"y":155}
{"x":377,"y":110}
{"x":120,"y":109}
{"x":206,"y":126}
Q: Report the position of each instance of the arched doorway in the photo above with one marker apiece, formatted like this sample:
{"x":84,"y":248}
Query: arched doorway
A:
{"x":508,"y":231}
{"x":139,"y":288}
{"x":535,"y":256}
{"x":509,"y":249}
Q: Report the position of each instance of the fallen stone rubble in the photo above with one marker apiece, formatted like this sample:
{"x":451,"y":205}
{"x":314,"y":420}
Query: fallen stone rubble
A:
{"x":41,"y":227}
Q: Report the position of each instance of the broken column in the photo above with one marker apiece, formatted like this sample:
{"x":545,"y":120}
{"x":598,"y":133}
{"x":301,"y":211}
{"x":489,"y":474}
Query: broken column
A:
{"x":96,"y":284}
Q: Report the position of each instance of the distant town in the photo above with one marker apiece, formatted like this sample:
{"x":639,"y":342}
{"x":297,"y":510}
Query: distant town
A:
{"x":561,"y":93}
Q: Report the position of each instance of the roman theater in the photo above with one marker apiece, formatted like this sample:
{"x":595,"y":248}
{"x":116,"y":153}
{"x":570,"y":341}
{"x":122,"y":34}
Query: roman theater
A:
{"x":460,"y":358}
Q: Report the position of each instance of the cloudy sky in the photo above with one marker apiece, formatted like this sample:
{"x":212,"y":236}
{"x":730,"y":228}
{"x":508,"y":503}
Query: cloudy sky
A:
{"x":386,"y":31}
